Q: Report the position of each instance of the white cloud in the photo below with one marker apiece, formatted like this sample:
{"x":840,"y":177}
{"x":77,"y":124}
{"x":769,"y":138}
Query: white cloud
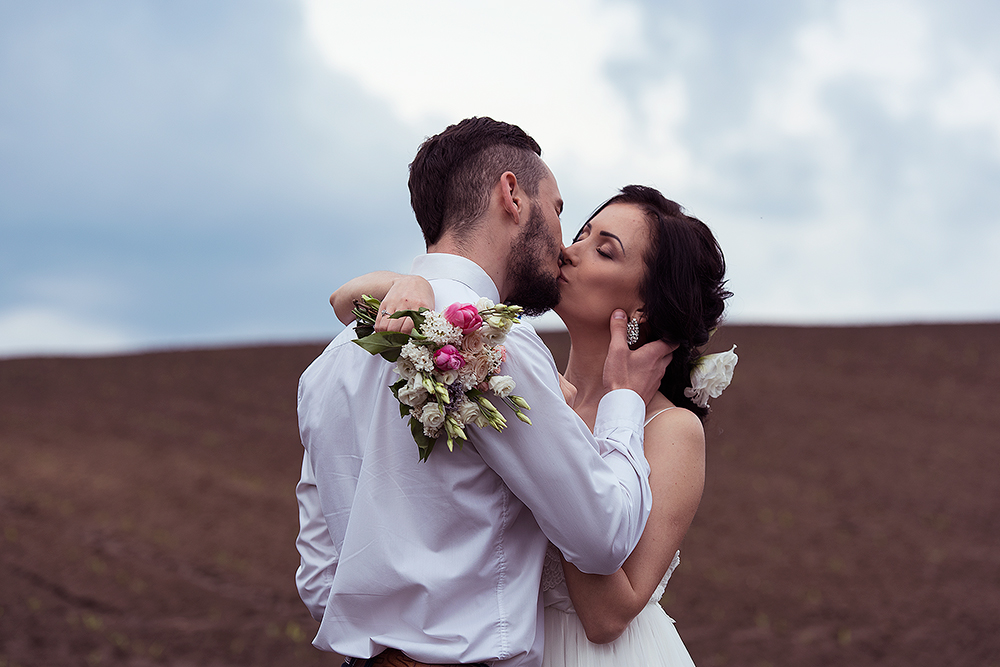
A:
{"x":38,"y":330}
{"x":883,"y":46}
{"x":438,"y":62}
{"x":844,"y":151}
{"x":971,"y":100}
{"x":448,"y":59}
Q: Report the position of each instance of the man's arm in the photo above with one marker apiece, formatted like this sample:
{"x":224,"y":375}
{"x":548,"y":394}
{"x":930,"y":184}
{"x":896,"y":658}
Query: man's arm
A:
{"x":318,"y":555}
{"x":590,"y":496}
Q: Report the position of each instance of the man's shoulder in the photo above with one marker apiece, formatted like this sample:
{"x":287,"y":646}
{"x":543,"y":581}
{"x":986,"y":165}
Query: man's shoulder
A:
{"x":526,"y":349}
{"x":448,"y":291}
{"x":342,"y":354}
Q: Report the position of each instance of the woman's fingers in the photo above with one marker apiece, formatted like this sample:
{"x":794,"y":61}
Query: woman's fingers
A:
{"x":385,"y":321}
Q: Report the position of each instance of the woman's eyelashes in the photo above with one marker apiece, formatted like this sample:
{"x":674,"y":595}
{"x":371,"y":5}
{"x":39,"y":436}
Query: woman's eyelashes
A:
{"x":601,"y":250}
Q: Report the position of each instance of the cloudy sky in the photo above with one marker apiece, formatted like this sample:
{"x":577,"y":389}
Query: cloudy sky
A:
{"x":189,"y":173}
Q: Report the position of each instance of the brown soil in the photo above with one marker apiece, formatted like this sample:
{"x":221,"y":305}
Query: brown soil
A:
{"x":851,"y":515}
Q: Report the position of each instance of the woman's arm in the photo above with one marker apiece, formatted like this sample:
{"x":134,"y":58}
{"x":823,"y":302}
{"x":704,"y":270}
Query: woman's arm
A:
{"x":675,"y":449}
{"x":396,"y":291}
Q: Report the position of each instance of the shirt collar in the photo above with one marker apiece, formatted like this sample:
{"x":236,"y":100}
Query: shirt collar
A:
{"x":439,"y":265}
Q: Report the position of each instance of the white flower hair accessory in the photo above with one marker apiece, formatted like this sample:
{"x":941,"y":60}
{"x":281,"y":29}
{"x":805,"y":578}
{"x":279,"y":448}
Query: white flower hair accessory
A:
{"x":710,"y":375}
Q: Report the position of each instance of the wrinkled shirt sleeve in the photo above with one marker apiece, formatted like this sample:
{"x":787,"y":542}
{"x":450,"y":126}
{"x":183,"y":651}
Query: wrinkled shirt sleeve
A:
{"x":588,"y":492}
{"x":317,"y":552}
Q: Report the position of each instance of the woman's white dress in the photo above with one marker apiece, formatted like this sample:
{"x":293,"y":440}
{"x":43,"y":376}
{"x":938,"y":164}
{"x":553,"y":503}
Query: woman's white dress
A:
{"x":650,"y":640}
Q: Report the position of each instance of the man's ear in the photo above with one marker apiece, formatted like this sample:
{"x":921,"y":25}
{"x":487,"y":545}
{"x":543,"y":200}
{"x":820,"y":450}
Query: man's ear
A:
{"x":512,"y":198}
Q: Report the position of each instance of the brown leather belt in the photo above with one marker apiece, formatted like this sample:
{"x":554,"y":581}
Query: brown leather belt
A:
{"x":394,"y":658}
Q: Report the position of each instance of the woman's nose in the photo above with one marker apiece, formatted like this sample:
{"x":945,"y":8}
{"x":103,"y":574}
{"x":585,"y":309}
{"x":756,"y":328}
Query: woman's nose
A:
{"x":565,"y":257}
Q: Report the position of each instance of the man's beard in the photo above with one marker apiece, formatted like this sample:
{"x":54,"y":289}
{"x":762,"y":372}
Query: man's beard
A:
{"x":530,"y":286}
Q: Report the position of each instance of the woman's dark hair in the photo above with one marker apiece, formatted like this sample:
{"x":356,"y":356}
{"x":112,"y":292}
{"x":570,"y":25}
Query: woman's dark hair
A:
{"x":683,"y":288}
{"x":453,"y":171}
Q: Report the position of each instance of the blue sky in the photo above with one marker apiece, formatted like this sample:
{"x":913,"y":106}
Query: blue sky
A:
{"x":188,"y":173}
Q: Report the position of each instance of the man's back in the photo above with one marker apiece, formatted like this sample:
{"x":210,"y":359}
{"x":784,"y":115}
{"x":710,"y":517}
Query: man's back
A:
{"x":442,"y":559}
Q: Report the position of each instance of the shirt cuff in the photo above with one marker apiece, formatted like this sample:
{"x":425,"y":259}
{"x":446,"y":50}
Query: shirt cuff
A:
{"x":621,"y":408}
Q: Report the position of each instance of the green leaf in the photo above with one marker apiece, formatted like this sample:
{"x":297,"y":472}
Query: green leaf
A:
{"x":370,"y":301}
{"x":394,"y":388}
{"x":386,"y":343}
{"x":424,"y":443}
{"x":416,"y":315}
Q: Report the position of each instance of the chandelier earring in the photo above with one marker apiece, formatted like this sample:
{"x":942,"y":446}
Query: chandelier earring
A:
{"x":632,"y":330}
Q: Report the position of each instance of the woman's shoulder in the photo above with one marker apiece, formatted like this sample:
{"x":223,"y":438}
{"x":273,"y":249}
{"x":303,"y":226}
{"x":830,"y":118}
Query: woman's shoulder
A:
{"x":665,"y":421}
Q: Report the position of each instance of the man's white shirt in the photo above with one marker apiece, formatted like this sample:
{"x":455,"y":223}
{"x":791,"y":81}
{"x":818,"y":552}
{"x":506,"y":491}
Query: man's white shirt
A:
{"x":442,"y":559}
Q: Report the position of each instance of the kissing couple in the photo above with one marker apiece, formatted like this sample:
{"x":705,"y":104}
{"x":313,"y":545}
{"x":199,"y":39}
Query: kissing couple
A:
{"x":546,"y":543}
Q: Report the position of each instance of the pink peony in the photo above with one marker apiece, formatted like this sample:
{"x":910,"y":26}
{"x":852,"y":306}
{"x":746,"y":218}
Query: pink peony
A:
{"x":448,"y":358}
{"x":464,"y":316}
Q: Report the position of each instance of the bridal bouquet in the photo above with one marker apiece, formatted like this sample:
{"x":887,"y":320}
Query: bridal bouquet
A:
{"x":447,"y":364}
{"x":711,"y":374}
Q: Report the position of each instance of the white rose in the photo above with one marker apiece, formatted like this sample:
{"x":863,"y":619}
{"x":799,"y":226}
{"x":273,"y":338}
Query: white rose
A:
{"x":502,"y":385}
{"x":473,"y":343}
{"x":710,"y":376}
{"x":479,"y":367}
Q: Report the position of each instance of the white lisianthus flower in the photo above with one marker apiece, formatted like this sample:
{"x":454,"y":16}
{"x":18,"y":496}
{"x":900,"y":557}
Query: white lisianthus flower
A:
{"x":447,"y":377}
{"x":405,"y":368}
{"x":480,"y":419}
{"x":500,"y":323}
{"x":413,"y":393}
{"x":484,"y":304}
{"x":710,"y":376}
{"x":502,"y":385}
{"x":432,"y":417}
{"x":467,"y":411}
{"x":494,"y":336}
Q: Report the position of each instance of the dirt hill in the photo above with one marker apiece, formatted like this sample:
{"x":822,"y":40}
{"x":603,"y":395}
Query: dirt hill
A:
{"x":851,"y":514}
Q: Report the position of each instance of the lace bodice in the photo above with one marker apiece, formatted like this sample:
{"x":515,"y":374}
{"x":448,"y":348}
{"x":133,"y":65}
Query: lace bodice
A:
{"x":552,"y":572}
{"x":554,"y":589}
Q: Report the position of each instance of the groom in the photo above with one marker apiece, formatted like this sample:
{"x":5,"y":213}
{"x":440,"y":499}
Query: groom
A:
{"x":439,"y":562}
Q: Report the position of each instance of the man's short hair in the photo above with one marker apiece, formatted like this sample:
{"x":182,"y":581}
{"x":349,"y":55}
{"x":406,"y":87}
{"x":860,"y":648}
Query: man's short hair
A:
{"x":454,"y":171}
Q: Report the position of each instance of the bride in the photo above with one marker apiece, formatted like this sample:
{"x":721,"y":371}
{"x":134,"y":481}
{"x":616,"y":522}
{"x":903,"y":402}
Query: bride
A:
{"x":641,"y":253}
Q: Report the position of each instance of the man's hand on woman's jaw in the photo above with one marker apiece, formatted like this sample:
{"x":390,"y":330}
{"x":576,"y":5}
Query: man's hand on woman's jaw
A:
{"x":639,"y":370}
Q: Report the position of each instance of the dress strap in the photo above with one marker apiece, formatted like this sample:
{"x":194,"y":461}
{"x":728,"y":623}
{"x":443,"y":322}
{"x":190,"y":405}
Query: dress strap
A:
{"x":657,"y":414}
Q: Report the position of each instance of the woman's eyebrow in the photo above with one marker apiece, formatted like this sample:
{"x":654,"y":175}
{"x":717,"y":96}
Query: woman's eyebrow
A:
{"x":615,"y":238}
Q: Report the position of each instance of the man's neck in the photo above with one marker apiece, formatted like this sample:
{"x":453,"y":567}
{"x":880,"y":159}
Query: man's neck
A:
{"x":484,"y":251}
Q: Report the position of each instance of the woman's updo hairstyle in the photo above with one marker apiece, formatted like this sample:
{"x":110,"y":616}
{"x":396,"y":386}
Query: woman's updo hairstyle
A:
{"x":684,"y":286}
